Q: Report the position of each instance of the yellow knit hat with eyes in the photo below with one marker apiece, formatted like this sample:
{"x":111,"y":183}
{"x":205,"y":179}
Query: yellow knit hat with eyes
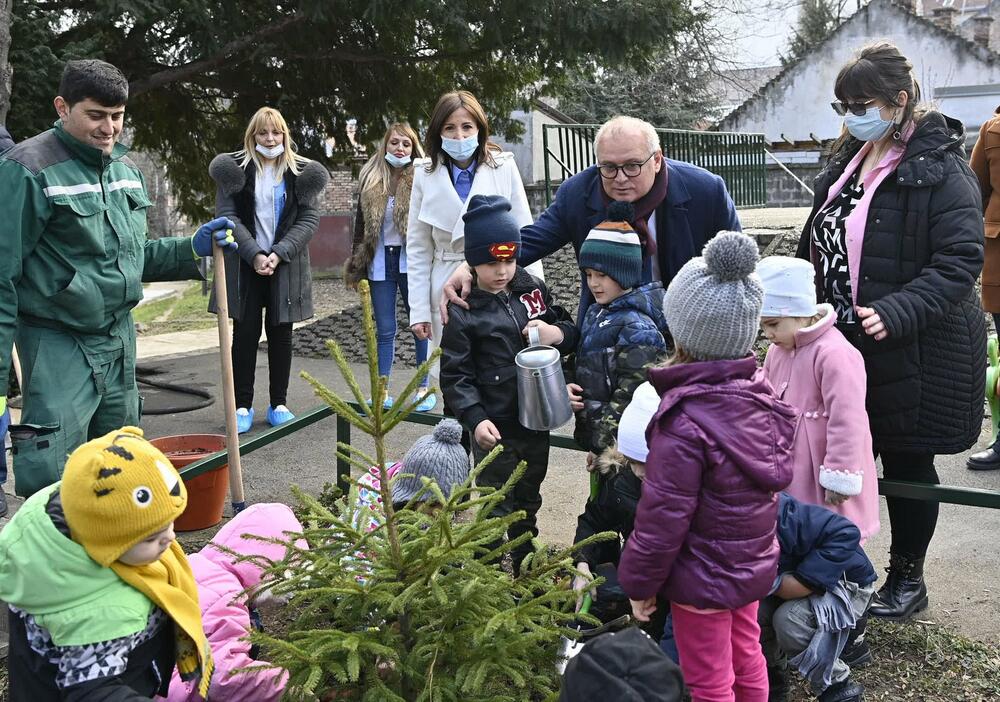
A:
{"x":118,"y":490}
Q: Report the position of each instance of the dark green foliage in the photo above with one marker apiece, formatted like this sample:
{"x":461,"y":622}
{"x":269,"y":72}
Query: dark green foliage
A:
{"x":417,"y":609}
{"x":817,"y":19}
{"x":198,"y":69}
{"x":670,"y":90}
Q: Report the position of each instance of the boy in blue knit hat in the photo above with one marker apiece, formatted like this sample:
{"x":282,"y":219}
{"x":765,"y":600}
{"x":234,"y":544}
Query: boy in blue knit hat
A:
{"x":623,"y":333}
{"x":478,"y":375}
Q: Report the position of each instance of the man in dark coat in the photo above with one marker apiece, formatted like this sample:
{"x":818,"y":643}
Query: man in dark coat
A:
{"x":678,"y":207}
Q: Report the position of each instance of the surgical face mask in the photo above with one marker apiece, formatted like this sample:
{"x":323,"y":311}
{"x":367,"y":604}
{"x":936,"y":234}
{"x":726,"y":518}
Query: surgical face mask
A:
{"x":868,"y":127}
{"x":397,"y":162}
{"x":271,"y":152}
{"x":460,"y":149}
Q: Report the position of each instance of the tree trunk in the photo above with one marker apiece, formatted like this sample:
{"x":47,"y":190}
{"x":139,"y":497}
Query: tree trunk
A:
{"x":6,"y":70}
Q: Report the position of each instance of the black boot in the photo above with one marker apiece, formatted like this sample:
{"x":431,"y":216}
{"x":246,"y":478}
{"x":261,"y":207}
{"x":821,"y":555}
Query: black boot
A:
{"x":903,"y":594}
{"x":857,"y":653}
{"x":3,"y":503}
{"x":984,"y":460}
{"x":847,"y":691}
{"x":777,"y":681}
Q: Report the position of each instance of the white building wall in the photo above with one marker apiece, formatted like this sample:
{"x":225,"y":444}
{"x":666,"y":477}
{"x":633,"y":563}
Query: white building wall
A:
{"x":798,"y":106}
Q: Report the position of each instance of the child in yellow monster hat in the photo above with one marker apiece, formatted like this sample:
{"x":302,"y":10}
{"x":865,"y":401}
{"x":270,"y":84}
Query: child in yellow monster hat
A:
{"x":102,"y":600}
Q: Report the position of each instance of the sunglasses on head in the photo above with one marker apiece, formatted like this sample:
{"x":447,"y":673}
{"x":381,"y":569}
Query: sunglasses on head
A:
{"x":855,"y":108}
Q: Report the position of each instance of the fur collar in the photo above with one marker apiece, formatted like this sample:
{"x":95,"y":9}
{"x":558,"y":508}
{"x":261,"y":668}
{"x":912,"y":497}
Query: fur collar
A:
{"x":225,"y":170}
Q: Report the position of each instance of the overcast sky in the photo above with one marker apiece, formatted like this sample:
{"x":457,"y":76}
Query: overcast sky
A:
{"x":760,"y":29}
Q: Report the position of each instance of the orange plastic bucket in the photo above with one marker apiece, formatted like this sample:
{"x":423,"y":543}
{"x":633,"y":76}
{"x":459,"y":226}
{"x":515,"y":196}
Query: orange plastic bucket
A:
{"x":207,"y":492}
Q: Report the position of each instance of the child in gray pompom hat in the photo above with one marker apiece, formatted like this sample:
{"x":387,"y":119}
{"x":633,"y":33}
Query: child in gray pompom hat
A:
{"x":438,"y":456}
{"x":713,"y":303}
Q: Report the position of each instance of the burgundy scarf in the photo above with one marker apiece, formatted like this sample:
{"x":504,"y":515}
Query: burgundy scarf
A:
{"x":644,"y":207}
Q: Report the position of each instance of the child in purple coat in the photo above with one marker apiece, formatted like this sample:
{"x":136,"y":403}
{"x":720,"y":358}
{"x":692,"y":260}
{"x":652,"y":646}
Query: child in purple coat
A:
{"x":719,"y":452}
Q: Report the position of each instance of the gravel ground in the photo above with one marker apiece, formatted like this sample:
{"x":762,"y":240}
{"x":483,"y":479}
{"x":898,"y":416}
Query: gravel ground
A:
{"x":339,"y":310}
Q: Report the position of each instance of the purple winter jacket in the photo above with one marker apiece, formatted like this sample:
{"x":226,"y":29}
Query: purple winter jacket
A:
{"x":720,"y":448}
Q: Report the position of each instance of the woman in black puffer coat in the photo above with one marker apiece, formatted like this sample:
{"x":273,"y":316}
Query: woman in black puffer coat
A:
{"x":270,"y":193}
{"x":896,"y":235}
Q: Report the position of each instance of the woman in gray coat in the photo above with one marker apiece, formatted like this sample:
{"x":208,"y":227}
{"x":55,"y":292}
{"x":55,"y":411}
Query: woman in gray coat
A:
{"x":270,"y":193}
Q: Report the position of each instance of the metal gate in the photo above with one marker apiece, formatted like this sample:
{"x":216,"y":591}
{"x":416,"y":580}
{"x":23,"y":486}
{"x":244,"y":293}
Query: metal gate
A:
{"x":738,"y":158}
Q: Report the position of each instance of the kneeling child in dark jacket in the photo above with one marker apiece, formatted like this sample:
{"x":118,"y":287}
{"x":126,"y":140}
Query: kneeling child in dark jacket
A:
{"x":817,"y":608}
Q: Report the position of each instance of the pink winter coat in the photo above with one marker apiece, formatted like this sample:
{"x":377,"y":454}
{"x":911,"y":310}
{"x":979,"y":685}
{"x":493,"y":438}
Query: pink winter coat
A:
{"x":224,"y":610}
{"x":824,"y":379}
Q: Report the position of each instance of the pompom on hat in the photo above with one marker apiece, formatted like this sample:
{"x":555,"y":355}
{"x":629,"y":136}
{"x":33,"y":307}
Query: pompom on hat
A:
{"x":713,"y":303}
{"x":613,"y":247}
{"x":438,"y":456}
{"x":118,"y":490}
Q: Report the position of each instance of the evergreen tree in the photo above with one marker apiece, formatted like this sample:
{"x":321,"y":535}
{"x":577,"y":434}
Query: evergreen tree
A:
{"x":817,"y":19}
{"x":199,"y":69}
{"x":670,"y":90}
{"x":416,"y":610}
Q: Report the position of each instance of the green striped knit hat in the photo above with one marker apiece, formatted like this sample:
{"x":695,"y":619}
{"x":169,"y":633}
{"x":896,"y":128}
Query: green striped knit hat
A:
{"x":613,"y":247}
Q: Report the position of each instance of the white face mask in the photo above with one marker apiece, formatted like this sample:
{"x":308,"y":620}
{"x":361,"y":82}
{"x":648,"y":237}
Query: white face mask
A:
{"x":397,"y":162}
{"x":271,"y":152}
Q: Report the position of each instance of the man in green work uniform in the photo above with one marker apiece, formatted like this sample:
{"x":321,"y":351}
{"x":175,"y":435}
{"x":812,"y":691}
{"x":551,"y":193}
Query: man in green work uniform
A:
{"x":73,"y":257}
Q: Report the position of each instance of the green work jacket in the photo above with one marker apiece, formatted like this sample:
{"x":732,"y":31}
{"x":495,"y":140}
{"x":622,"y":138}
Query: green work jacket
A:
{"x":73,"y":250}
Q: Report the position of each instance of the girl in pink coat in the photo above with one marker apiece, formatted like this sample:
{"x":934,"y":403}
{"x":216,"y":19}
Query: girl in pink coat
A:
{"x":816,"y":370}
{"x":226,"y":611}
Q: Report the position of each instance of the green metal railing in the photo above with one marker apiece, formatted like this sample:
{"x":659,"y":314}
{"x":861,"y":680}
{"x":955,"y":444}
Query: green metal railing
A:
{"x":738,"y":158}
{"x":949,"y":494}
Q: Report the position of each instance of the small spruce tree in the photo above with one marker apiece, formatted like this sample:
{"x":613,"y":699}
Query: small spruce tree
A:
{"x":417,"y":609}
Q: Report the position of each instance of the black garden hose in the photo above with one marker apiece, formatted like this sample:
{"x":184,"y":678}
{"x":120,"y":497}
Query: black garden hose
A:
{"x":141,"y":377}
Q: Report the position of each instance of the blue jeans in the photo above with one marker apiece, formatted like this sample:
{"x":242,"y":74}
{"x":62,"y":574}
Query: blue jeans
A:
{"x":384,"y":303}
{"x":4,"y":427}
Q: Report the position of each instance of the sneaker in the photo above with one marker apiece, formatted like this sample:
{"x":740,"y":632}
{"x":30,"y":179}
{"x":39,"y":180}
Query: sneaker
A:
{"x":846,"y":691}
{"x":387,"y":405}
{"x":278,"y":415}
{"x":244,"y":420}
{"x":857,"y":655}
{"x":428,"y":403}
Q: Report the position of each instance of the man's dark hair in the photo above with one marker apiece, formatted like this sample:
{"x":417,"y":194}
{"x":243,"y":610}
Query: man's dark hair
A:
{"x":94,"y":79}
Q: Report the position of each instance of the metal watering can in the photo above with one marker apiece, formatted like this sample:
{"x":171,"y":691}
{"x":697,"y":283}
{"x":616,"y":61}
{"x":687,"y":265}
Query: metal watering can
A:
{"x":543,"y":403}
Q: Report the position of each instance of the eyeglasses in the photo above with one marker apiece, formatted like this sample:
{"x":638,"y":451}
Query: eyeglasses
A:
{"x":855,"y":108}
{"x":631,"y":170}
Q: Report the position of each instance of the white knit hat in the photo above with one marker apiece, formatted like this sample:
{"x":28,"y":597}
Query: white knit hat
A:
{"x":789,"y":287}
{"x":635,"y":419}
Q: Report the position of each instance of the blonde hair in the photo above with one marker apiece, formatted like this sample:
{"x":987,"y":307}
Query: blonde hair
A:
{"x":269,"y":117}
{"x":377,"y":173}
{"x":678,"y":357}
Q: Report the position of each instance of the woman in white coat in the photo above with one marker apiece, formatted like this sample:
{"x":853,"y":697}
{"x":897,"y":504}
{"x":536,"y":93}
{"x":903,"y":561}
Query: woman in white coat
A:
{"x":461,"y":162}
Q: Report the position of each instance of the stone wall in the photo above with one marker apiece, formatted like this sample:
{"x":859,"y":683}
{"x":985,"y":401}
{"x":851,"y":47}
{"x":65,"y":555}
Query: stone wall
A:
{"x":338,"y":197}
{"x":784,"y":191}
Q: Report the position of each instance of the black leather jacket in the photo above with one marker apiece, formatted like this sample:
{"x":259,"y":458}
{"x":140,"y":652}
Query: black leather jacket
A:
{"x":478,"y":375}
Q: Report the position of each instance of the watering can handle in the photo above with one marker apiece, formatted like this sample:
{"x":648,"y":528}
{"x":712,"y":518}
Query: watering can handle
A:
{"x":533,"y":337}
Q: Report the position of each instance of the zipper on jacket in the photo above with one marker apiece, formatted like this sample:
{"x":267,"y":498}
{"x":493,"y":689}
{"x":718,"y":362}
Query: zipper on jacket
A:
{"x":505,"y":298}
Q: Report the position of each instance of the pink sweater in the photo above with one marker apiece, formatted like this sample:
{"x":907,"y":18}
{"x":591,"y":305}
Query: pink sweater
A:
{"x":824,"y":378}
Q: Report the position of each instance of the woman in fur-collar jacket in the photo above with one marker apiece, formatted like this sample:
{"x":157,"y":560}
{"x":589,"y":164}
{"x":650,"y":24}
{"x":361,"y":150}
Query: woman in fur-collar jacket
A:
{"x":380,"y":243}
{"x":270,"y":193}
